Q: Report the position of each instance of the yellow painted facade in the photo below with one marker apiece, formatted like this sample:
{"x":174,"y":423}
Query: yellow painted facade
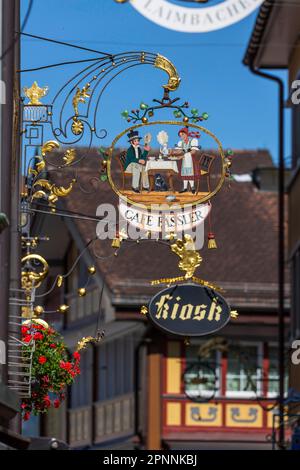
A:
{"x":173,"y":367}
{"x":173,"y":414}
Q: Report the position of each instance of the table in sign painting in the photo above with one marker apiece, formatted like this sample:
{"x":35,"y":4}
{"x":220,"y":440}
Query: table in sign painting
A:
{"x":166,"y":167}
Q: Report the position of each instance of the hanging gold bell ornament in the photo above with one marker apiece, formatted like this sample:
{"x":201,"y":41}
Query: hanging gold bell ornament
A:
{"x":116,"y":243}
{"x":81,"y":292}
{"x":211,"y":241}
{"x":120,"y":236}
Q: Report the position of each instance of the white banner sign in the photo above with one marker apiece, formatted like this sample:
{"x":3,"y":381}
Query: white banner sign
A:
{"x":156,"y":221}
{"x":195,"y":20}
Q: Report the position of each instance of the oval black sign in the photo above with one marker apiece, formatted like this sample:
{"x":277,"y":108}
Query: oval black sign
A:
{"x":189,"y":310}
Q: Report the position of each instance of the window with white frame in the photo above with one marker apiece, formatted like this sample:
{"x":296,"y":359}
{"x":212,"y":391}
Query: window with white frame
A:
{"x":244,"y":370}
{"x":273,"y":376}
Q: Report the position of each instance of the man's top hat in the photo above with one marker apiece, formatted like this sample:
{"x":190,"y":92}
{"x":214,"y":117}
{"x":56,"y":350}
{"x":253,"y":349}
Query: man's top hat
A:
{"x":133,"y":135}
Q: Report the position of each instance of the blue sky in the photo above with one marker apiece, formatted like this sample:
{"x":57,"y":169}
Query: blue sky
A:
{"x":242,"y":107}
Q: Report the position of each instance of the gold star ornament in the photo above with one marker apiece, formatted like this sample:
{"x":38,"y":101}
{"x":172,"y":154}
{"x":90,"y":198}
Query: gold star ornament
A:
{"x":35,"y":93}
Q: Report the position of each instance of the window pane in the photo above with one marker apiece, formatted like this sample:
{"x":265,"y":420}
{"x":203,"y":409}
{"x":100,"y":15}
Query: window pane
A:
{"x":201,"y":376}
{"x":242,"y":369}
{"x":273,"y":384}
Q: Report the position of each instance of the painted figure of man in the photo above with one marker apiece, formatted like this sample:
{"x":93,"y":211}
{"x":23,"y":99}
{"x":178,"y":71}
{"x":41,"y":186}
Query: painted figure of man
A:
{"x":136,"y":160}
{"x":186,"y":149}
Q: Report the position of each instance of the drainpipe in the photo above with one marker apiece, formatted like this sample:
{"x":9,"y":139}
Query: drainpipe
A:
{"x":281,"y":257}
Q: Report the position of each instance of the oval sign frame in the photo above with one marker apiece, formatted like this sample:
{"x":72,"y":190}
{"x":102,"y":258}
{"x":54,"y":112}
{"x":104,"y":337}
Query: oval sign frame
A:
{"x":210,"y":314}
{"x":172,"y":123}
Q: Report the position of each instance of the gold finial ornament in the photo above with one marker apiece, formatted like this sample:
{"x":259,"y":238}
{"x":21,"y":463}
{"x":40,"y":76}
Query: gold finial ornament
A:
{"x":81,"y":292}
{"x":190,"y":259}
{"x":166,"y":65}
{"x":34,"y":93}
{"x":63,"y":308}
{"x":38,"y":310}
{"x":91,"y":270}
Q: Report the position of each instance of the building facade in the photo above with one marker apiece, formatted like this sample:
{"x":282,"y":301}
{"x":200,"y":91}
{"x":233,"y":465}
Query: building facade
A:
{"x":139,"y":388}
{"x":274,"y":44}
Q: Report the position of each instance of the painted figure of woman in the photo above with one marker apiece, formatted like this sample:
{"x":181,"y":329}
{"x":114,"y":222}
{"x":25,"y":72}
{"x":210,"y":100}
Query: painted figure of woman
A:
{"x":186,"y":149}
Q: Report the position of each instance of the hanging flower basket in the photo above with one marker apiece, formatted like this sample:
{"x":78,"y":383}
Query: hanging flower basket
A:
{"x":52,"y":368}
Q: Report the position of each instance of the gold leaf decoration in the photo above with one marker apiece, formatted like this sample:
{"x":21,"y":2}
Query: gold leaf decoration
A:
{"x":80,"y":96}
{"x":69,"y":156}
{"x":190,"y":259}
{"x":49,"y":146}
{"x":83,"y":343}
{"x":61,"y":191}
{"x":166,"y":65}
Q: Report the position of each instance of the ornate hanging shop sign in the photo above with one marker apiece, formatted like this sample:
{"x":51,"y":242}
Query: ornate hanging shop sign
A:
{"x":208,"y":15}
{"x":164,"y":179}
{"x":189,"y":310}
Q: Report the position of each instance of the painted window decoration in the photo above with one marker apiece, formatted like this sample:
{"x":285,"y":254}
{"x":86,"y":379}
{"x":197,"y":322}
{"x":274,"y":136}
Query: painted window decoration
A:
{"x":202,"y":376}
{"x":244,"y":367}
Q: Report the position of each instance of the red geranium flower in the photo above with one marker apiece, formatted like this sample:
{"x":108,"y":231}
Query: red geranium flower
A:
{"x":27,"y":339}
{"x":24,"y":330}
{"x":56,"y":403}
{"x":47,"y":401}
{"x":52,"y":345}
{"x":42,"y":359}
{"x":26,"y":416}
{"x":65,"y":365}
{"x":76,"y":356}
{"x":38,"y":336}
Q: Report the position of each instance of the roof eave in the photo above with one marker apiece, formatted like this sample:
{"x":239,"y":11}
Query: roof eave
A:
{"x":258,"y":32}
